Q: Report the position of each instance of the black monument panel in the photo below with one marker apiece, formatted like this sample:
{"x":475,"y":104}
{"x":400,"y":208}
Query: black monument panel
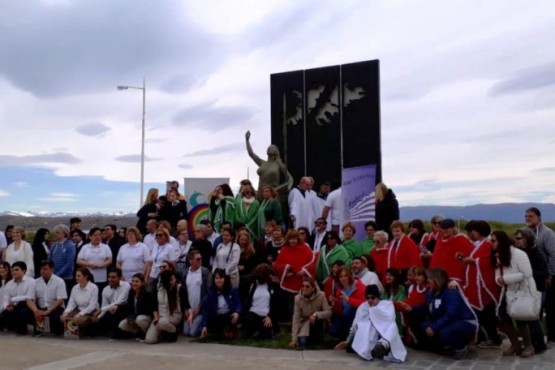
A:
{"x":322,"y":109}
{"x":361,"y":115}
{"x":288,"y":119}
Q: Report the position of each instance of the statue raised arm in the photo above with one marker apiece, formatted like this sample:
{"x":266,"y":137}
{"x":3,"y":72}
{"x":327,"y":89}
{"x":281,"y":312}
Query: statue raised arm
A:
{"x":272,"y":171}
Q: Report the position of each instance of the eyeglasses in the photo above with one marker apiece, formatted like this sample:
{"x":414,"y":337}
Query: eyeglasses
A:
{"x":318,"y":223}
{"x":436,"y":222}
{"x":160,"y":235}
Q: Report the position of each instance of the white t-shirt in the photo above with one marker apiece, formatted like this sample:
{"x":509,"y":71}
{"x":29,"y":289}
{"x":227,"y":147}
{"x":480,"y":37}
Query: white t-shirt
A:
{"x":223,"y":308}
{"x":150,"y":241}
{"x":261,"y":300}
{"x":161,"y":253}
{"x":133,"y":259}
{"x":194,"y":284}
{"x":336,"y":204}
{"x":96,"y":255}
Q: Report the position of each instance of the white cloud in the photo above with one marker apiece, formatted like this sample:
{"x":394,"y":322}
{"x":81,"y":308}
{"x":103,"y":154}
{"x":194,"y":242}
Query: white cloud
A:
{"x":4,"y":193}
{"x":20,"y":184}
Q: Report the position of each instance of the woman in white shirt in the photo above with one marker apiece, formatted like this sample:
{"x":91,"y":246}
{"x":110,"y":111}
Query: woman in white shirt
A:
{"x":5,"y":276}
{"x":134,"y":257}
{"x":96,"y":256}
{"x":20,"y":250}
{"x":260,"y":306}
{"x":83,"y":300}
{"x":167,"y":314}
{"x":227,"y":257}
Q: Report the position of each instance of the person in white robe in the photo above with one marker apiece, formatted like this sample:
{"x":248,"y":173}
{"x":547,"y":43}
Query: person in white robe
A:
{"x":301,"y":210}
{"x":374,"y":332}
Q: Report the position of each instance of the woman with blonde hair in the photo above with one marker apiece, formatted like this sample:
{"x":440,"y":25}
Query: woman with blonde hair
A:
{"x":387,"y":207}
{"x":149,"y":211}
{"x":20,"y":250}
{"x":134,"y":257}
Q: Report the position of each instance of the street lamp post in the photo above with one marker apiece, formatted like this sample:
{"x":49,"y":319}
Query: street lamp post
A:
{"x":142,"y":135}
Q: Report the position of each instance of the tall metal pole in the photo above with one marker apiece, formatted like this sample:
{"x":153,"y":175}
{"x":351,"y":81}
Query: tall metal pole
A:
{"x":143,"y":145}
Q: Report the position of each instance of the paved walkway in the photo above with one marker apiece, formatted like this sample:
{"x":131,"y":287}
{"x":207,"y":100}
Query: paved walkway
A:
{"x":61,"y":354}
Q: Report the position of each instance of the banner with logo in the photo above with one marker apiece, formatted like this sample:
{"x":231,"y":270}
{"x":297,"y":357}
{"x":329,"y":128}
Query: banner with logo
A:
{"x":197,"y":192}
{"x":359,"y":196}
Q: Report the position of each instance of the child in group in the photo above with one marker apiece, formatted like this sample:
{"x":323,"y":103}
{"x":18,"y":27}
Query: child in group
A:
{"x":417,"y":291}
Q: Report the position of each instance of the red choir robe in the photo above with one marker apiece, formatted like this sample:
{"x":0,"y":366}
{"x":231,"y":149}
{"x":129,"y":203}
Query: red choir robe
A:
{"x":416,"y":298}
{"x":405,"y":255}
{"x":380,"y":255}
{"x":479,"y":285}
{"x":294,"y":259}
{"x":356,"y":298}
{"x":329,"y":290}
{"x":446,"y":255}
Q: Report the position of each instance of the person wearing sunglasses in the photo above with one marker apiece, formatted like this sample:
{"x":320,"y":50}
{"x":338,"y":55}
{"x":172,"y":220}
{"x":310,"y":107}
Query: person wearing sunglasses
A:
{"x":194,"y":287}
{"x":311,"y":310}
{"x":163,"y":251}
{"x":374,"y":332}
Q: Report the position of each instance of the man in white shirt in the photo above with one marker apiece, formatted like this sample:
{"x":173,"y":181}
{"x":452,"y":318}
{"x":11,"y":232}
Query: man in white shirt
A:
{"x":318,"y":236}
{"x":19,"y":291}
{"x":150,"y":238}
{"x":50,"y":293}
{"x":194,"y":287}
{"x":301,"y":211}
{"x":112,"y":310}
{"x":335,"y":205}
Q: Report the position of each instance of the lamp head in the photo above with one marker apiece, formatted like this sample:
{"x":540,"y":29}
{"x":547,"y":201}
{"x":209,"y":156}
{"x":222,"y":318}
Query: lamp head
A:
{"x":123,"y":87}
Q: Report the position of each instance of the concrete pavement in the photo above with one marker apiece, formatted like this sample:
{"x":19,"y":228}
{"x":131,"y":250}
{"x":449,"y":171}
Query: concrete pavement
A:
{"x":49,"y":353}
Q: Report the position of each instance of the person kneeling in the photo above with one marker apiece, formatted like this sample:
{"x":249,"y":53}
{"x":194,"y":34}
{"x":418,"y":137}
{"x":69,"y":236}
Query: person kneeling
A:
{"x":221,"y":307}
{"x":140,"y":306}
{"x":167,"y":315}
{"x":113,"y":308}
{"x":311,"y":310}
{"x":374,"y":331}
{"x":83,"y":300}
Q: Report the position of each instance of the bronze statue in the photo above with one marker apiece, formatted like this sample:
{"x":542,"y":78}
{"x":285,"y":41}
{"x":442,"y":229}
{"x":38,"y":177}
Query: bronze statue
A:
{"x":271,"y":172}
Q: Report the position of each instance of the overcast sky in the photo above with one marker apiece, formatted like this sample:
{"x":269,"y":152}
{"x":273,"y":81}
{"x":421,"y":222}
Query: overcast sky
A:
{"x":467,"y":88}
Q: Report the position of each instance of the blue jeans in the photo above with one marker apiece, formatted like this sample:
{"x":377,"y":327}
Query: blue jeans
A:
{"x":456,"y":335}
{"x":341,"y":324}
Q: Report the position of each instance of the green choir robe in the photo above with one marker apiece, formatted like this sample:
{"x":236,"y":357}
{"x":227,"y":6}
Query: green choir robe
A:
{"x":248,"y":216}
{"x":326,"y":260}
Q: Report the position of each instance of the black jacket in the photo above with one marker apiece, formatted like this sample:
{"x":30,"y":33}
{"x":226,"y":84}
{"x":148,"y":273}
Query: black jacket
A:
{"x":145,"y":303}
{"x":143,"y":216}
{"x":387,"y":211}
{"x":205,"y":249}
{"x":313,"y":239}
{"x":538,"y":260}
{"x":174,"y":213}
{"x":184,"y":292}
{"x":275,"y":294}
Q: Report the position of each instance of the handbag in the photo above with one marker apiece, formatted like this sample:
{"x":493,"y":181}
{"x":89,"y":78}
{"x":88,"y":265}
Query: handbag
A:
{"x":525,"y":305}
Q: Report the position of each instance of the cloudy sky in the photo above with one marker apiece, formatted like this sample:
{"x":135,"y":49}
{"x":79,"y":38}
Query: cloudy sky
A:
{"x":468,"y":93}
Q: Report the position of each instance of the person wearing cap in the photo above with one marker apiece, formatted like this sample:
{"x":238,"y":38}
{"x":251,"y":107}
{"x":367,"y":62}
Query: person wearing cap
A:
{"x":374,"y":332}
{"x":450,"y":251}
{"x":479,"y":287}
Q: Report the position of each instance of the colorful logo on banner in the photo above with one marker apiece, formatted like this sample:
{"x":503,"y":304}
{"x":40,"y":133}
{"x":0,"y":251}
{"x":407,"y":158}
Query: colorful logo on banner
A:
{"x":197,"y":193}
{"x":359,"y":196}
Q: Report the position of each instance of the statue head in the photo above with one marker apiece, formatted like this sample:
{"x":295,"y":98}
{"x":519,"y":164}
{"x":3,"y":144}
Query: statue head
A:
{"x":273,"y":152}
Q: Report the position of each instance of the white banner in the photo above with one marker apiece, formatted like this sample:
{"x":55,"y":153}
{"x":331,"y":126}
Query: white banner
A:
{"x":197,"y":190}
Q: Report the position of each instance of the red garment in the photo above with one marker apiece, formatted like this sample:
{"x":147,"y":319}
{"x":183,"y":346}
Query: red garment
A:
{"x":445,"y":256}
{"x":405,"y":255}
{"x":417,"y":295}
{"x":379,"y":255}
{"x":357,"y":297}
{"x":294,"y":259}
{"x":480,"y":287}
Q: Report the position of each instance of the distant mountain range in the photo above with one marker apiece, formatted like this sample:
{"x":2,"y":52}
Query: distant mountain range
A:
{"x":503,"y":212}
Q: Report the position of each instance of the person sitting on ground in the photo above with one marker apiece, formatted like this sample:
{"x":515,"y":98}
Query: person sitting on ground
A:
{"x":139,"y":308}
{"x":374,"y":333}
{"x":167,"y":314}
{"x":113,"y":307}
{"x":260,"y":307}
{"x":5,"y":277}
{"x":445,"y":323}
{"x":83,"y":300}
{"x":50,"y":294}
{"x":18,"y":292}
{"x":417,"y":293}
{"x":331,"y":252}
{"x":194,"y":287}
{"x":362,"y":273}
{"x":350,"y":293}
{"x":395,"y":292}
{"x":310,"y":313}
{"x":221,"y":308}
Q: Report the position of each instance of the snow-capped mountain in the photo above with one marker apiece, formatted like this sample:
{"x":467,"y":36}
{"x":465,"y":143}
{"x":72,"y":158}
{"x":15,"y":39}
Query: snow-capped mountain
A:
{"x":66,"y":214}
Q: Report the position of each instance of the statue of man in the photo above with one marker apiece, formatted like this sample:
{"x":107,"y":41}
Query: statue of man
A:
{"x":272,"y":171}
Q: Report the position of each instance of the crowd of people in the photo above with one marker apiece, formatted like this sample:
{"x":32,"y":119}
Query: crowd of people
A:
{"x":250,"y":267}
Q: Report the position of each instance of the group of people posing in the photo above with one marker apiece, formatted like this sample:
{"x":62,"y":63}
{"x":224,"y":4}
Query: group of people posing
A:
{"x":439,"y":290}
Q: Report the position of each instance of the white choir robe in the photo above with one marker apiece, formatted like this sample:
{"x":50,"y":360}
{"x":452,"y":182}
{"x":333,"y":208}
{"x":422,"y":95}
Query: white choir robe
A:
{"x":301,"y":207}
